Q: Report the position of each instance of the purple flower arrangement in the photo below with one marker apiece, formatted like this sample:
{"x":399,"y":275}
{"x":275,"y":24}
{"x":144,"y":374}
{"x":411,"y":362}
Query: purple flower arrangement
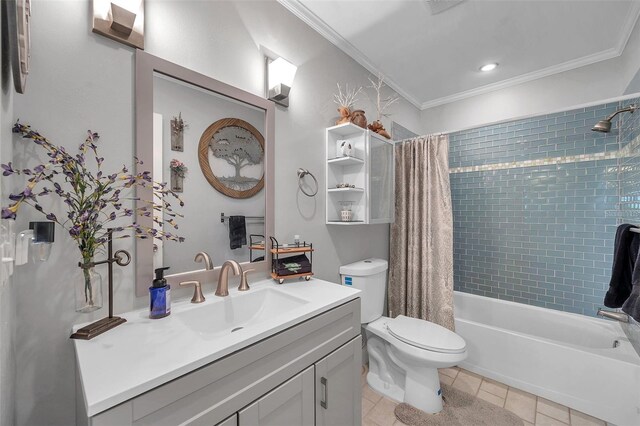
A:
{"x":95,"y":200}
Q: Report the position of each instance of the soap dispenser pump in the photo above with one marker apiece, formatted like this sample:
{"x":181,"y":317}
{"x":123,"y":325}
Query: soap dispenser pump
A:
{"x":160,"y":296}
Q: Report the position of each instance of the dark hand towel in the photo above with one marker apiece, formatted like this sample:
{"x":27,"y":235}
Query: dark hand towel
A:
{"x":626,"y":248}
{"x":237,"y":232}
{"x":632,"y":305}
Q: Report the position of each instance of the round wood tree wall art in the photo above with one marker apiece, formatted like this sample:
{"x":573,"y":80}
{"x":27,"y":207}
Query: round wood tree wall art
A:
{"x":231,"y":155}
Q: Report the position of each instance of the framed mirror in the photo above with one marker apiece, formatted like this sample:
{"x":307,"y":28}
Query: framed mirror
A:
{"x":191,"y":130}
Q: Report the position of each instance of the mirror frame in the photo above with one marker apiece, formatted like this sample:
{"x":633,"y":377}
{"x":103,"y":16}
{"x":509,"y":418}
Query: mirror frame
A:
{"x":146,"y":66}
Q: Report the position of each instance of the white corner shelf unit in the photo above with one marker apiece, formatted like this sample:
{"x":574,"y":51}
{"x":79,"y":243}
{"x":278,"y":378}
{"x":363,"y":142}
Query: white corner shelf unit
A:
{"x":370,"y":168}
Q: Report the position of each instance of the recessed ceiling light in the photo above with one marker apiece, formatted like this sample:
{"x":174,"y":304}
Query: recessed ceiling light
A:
{"x":489,"y":67}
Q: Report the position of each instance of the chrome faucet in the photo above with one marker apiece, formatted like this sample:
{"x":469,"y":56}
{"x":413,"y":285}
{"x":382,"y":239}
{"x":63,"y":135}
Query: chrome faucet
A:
{"x":204,"y":257}
{"x":618,"y":316}
{"x":223,"y":279}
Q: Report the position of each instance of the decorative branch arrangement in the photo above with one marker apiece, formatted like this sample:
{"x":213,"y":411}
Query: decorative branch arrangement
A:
{"x":94,"y":200}
{"x":345,"y":101}
{"x":178,"y":124}
{"x":177,"y":133}
{"x":382,"y":104}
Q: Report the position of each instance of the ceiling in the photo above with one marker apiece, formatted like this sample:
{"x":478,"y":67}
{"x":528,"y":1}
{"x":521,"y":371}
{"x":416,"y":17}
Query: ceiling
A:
{"x":431,"y":54}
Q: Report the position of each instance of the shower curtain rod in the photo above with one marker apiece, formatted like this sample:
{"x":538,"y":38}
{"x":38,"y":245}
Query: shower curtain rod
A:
{"x":421,"y":136}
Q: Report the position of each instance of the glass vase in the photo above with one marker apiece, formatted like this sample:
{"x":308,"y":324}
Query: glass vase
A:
{"x":177,"y":181}
{"x":88,"y":285}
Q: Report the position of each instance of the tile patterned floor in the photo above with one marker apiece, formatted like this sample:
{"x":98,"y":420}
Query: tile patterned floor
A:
{"x":378,"y":410}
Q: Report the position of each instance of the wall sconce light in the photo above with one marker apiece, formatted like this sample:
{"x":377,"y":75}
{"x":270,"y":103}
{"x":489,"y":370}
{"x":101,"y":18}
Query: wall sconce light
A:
{"x":120,"y":20}
{"x":280,"y":74}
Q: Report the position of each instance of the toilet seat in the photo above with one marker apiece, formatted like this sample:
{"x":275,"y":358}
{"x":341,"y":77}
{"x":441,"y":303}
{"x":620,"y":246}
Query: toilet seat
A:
{"x":425,"y":335}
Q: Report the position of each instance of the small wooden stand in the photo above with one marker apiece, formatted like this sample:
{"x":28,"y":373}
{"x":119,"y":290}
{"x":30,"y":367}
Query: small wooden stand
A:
{"x":256,"y":243}
{"x":278,"y":250}
{"x":94,"y":329}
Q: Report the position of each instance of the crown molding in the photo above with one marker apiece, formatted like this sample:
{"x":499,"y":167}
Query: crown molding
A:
{"x":628,"y":26}
{"x":524,"y":78}
{"x":321,"y":27}
{"x":604,"y":55}
{"x":311,"y":19}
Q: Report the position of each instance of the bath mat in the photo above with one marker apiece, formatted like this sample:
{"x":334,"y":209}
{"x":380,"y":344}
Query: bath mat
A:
{"x":460,"y":409}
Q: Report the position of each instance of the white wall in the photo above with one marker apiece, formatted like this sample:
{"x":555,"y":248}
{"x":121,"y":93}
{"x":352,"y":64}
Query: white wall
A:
{"x":7,"y":293}
{"x":203,"y":203}
{"x":81,"y":81}
{"x":634,"y":84}
{"x":592,"y":83}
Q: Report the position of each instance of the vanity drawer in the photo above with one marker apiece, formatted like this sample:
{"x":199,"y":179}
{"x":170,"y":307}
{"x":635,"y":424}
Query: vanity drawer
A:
{"x":212,"y":393}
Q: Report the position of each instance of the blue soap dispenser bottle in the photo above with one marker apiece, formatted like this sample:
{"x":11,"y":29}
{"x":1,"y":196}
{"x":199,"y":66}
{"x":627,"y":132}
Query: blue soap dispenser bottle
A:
{"x":159,"y":296}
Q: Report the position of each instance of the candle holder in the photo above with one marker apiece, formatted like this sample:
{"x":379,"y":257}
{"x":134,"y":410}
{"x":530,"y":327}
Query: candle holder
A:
{"x":346,"y":214}
{"x":94,"y":329}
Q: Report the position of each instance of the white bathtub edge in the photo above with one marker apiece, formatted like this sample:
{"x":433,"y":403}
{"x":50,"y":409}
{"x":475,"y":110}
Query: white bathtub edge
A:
{"x":586,"y":379}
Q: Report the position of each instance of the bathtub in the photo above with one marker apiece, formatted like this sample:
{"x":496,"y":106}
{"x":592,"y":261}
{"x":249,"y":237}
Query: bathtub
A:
{"x":566,"y":358}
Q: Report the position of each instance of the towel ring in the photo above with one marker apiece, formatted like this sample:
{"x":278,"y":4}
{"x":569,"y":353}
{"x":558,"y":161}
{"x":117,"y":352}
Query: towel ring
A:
{"x":301,"y":174}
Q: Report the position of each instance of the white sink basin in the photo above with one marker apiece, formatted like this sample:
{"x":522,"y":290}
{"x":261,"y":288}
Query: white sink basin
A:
{"x":144,"y":353}
{"x":233,"y":313}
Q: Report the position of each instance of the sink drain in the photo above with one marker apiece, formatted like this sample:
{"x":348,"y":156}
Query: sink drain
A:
{"x":236,"y":329}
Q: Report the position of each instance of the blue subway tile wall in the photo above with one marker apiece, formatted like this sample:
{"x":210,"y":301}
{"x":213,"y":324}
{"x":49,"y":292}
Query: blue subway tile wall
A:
{"x":629,"y":206}
{"x":629,"y":125}
{"x":553,"y":135}
{"x":541,"y":235}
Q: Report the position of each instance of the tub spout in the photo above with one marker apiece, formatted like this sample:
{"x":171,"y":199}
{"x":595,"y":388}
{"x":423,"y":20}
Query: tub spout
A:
{"x":618,"y":316}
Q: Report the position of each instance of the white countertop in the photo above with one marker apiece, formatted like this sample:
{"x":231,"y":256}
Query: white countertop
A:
{"x":142,"y":353}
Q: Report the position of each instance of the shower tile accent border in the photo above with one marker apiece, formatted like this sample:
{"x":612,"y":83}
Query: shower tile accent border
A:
{"x":621,"y":153}
{"x":537,"y":163}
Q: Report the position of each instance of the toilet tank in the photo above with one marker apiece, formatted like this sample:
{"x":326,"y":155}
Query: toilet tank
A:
{"x":369,"y":276}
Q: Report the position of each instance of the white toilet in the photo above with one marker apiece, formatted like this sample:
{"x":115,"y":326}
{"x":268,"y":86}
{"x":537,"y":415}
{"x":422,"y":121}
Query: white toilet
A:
{"x":404,"y":353}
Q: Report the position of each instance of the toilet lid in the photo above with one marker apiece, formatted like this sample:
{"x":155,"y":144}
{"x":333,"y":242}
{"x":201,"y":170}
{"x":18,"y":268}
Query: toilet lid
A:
{"x":426,"y":335}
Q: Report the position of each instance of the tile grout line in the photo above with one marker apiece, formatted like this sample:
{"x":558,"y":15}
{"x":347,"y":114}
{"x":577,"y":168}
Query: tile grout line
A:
{"x":485,"y":379}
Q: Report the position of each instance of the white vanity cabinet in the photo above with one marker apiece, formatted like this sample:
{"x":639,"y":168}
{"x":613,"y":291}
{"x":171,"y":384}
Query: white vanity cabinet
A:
{"x":337,"y":386}
{"x":231,"y":421}
{"x":327,"y":394}
{"x":291,"y":403}
{"x":368,"y":167}
{"x":308,"y":374}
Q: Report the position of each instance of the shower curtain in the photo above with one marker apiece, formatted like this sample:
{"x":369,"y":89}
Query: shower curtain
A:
{"x":421,"y":270}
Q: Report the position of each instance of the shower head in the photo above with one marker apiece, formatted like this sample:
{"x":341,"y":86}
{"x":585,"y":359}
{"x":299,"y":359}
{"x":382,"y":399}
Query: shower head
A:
{"x":604,"y":126}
